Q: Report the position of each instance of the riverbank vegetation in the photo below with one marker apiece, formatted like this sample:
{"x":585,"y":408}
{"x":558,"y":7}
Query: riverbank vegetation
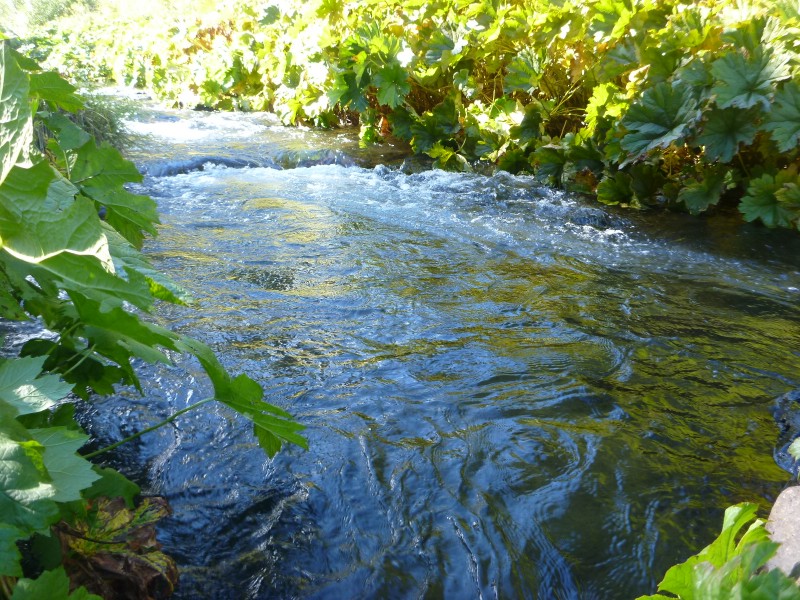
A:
{"x":636,"y":102}
{"x":70,"y":235}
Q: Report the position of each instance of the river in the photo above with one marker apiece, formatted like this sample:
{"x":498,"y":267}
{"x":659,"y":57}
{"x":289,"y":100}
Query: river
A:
{"x":509,"y":391}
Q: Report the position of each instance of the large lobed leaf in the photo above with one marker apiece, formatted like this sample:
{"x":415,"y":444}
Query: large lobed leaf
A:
{"x":53,"y":585}
{"x":783,"y":120}
{"x":765,"y":200}
{"x":744,"y":81}
{"x":24,"y":390}
{"x":662,"y":116}
{"x":16,"y":125}
{"x":728,"y":568}
{"x":725,"y":129}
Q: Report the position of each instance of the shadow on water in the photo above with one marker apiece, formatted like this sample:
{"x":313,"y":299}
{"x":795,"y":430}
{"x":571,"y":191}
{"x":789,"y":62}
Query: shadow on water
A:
{"x":508,"y":393}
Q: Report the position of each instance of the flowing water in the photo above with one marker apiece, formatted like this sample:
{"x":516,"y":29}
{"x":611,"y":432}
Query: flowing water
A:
{"x":509,"y":392}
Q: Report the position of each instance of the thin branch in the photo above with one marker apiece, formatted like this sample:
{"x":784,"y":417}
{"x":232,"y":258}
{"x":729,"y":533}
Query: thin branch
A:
{"x":166,"y":421}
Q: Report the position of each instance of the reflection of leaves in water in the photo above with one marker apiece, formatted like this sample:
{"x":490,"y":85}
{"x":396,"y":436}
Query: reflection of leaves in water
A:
{"x":269,"y":280}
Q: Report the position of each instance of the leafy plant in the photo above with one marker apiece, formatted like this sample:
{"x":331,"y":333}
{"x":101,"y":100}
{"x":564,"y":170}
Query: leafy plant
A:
{"x":691,"y":90}
{"x":77,"y":274}
{"x":731,"y":566}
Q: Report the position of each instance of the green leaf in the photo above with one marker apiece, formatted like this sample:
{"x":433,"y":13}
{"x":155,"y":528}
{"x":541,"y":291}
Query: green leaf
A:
{"x":615,"y":189}
{"x":392,"y":82}
{"x":401,"y":121}
{"x":611,"y":19}
{"x":530,"y":128}
{"x":112,"y":484}
{"x":746,"y":81}
{"x":40,"y":217}
{"x":24,"y":390}
{"x":439,"y":49}
{"x":347,"y":92}
{"x":699,"y":195}
{"x":118,"y":334}
{"x":761,"y":202}
{"x":51,"y":87}
{"x":100,"y":173}
{"x":271,"y":424}
{"x":794,"y":449}
{"x":10,"y":556}
{"x":550,"y":162}
{"x":9,"y":304}
{"x":662,"y":116}
{"x":69,"y":136}
{"x":525,"y":71}
{"x":90,"y":277}
{"x":128,"y":260}
{"x":69,"y":473}
{"x":783,"y":121}
{"x":53,"y":585}
{"x":16,"y":124}
{"x":725,"y":129}
{"x":25,"y":498}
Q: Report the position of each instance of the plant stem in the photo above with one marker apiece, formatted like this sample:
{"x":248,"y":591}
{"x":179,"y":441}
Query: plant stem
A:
{"x":169,"y":419}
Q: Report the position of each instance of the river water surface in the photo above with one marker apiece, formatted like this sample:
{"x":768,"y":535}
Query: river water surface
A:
{"x":509,"y":392}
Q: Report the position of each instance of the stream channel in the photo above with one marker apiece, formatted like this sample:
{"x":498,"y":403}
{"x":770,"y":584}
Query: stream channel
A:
{"x":509,"y":391}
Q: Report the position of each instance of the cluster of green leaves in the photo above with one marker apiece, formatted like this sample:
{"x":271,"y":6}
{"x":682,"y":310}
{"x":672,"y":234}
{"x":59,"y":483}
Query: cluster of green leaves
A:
{"x":730,"y":568}
{"x":639,"y":102}
{"x":80,"y":276}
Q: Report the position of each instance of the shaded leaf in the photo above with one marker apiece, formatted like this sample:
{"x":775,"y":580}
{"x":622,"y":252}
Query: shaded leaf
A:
{"x":615,"y":189}
{"x":746,"y":81}
{"x":761,"y":203}
{"x":725,"y":129}
{"x":9,"y":552}
{"x":53,"y":585}
{"x":783,"y":121}
{"x":699,"y":195}
{"x":51,"y":87}
{"x":112,"y":484}
{"x":115,"y":553}
{"x":661,"y":117}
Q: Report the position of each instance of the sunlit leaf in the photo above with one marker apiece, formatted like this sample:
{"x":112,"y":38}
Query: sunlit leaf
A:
{"x":69,"y":473}
{"x":40,"y":217}
{"x":25,"y":497}
{"x":16,"y":125}
{"x":51,"y":87}
{"x":525,"y":71}
{"x":23,"y":387}
{"x":392,"y":82}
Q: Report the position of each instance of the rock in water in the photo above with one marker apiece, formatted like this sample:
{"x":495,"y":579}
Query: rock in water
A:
{"x":787,"y":416}
{"x":784,"y":528}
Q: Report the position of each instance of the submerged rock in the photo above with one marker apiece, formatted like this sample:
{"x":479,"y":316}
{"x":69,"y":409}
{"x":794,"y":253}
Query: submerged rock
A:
{"x":787,"y":416}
